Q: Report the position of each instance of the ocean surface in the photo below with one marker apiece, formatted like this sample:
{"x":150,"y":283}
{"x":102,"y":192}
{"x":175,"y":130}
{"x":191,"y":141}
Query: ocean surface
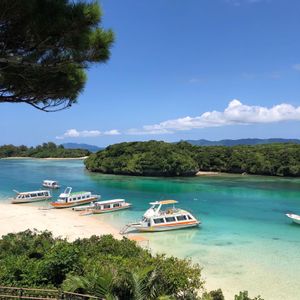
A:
{"x":245,"y":241}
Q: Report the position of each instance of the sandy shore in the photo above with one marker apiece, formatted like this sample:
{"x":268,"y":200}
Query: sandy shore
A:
{"x":210,"y":173}
{"x":65,"y":223}
{"x":47,"y":158}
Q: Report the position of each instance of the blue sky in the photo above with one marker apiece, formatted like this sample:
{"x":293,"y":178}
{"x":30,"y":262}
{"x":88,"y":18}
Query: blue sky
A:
{"x":174,"y":61}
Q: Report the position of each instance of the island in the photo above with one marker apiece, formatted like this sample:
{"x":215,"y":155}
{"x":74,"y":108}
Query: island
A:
{"x":46,"y":150}
{"x":158,"y":158}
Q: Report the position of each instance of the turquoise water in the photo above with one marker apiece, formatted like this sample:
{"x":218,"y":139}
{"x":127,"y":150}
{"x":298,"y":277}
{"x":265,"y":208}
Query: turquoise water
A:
{"x":245,"y":241}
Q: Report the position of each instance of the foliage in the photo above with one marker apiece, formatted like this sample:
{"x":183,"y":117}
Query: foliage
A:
{"x":244,"y":296}
{"x":155,"y":158}
{"x":46,"y":45}
{"x":103,"y":266}
{"x":43,"y":151}
{"x":143,"y":158}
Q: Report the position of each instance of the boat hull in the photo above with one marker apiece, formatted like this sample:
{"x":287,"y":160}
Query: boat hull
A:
{"x":20,"y":201}
{"x":167,"y":227}
{"x":294,"y":218}
{"x":72,"y":204}
{"x":51,"y":187}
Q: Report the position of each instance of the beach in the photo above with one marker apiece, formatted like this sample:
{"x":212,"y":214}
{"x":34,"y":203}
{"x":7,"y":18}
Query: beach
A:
{"x":62,"y":223}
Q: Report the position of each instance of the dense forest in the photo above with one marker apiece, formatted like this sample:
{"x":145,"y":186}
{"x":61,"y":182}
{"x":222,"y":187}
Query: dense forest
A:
{"x":155,"y":158}
{"x":42,"y":151}
{"x":100,"y":266}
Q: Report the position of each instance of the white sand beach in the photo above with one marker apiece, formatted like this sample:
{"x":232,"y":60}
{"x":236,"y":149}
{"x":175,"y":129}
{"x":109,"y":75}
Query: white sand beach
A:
{"x":65,"y":222}
{"x":46,"y":158}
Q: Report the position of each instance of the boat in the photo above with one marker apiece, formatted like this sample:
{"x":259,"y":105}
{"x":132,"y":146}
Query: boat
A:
{"x":71,"y":199}
{"x":52,"y":184}
{"x":100,"y":207}
{"x":294,"y":218}
{"x":158,"y":219}
{"x":33,"y":196}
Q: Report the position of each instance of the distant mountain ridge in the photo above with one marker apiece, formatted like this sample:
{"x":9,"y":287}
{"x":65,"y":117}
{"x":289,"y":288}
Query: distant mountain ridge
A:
{"x":250,"y":141}
{"x":91,"y":148}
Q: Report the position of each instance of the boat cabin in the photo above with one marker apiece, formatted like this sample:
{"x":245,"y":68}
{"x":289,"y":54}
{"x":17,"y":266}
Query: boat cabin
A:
{"x":109,"y":204}
{"x":33,"y":195}
{"x":51,"y":184}
{"x":68,"y":197}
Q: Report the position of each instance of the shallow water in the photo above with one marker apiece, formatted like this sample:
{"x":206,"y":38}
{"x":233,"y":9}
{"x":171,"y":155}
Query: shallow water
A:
{"x":245,"y":241}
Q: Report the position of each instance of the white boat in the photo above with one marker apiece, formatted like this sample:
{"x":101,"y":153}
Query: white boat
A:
{"x":294,"y":218}
{"x":69,"y":199}
{"x":156,"y":219}
{"x":27,"y":197}
{"x":100,"y":207}
{"x":52,"y":184}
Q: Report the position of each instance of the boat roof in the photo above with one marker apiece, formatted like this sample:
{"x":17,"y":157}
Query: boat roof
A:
{"x":76,"y":193}
{"x":39,"y":191}
{"x":110,"y":201}
{"x":164,"y":202}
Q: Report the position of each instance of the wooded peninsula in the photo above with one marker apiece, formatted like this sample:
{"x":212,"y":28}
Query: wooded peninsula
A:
{"x":157,"y":158}
{"x":46,"y":150}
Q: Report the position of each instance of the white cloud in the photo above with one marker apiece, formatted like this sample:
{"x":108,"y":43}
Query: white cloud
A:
{"x":74,"y":133}
{"x":296,"y":67}
{"x":112,"y":132}
{"x":236,"y":113}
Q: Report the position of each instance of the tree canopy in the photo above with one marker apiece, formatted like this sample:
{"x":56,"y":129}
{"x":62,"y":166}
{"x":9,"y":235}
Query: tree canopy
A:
{"x":45,"y":150}
{"x":100,"y":266}
{"x":155,"y":158}
{"x":45,"y":47}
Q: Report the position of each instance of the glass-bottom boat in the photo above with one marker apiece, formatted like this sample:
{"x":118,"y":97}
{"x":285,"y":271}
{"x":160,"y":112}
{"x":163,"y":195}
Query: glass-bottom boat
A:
{"x":157,"y":219}
{"x":100,"y":207}
{"x":69,"y":199}
{"x":27,"y":197}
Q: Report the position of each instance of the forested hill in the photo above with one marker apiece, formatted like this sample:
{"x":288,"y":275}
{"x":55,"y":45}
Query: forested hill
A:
{"x":46,"y":150}
{"x":155,"y":158}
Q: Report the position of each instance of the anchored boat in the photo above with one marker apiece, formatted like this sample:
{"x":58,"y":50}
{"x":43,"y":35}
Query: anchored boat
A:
{"x":294,"y":218}
{"x":69,"y":199}
{"x":27,"y":197}
{"x":100,"y":207}
{"x":52,"y":184}
{"x":158,"y":219}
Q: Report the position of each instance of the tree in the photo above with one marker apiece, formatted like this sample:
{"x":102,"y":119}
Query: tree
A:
{"x":45,"y":47}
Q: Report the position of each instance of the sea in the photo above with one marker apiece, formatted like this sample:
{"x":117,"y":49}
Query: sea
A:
{"x":245,"y":241}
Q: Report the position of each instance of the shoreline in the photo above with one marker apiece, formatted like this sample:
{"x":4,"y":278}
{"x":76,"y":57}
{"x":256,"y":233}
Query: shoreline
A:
{"x":64,"y":222}
{"x":45,"y":158}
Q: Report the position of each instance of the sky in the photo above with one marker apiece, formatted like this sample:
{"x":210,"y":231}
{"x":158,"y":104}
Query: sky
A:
{"x":196,"y":69}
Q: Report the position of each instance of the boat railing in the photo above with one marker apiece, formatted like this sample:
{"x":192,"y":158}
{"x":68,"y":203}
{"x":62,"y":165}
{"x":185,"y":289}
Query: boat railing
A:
{"x":8,"y":292}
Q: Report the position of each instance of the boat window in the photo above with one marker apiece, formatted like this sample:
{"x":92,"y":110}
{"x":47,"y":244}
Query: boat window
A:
{"x":181,"y":218}
{"x":74,"y":198}
{"x":40,"y":194}
{"x":170,"y":219}
{"x":116,"y":205}
{"x":106,"y":205}
{"x":159,"y":220}
{"x":189,"y":217}
{"x":27,"y":196}
{"x":32,"y":195}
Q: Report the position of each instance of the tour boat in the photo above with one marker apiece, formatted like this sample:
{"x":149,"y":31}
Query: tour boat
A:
{"x":69,"y":199}
{"x":26,"y":197}
{"x":51,"y":184}
{"x":157,"y":219}
{"x":106,"y":206}
{"x":294,"y":218}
